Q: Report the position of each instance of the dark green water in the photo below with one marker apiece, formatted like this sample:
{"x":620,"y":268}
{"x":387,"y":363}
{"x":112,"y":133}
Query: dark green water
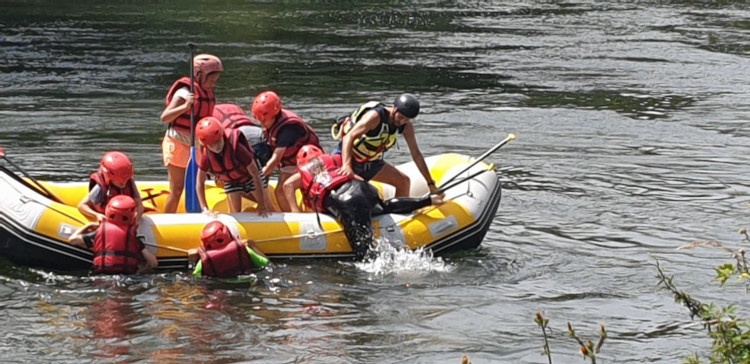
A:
{"x":632,"y":141}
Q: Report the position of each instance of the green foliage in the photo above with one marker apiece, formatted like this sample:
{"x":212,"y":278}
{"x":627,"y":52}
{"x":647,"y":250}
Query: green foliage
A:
{"x":730,"y":334}
{"x":724,"y":272}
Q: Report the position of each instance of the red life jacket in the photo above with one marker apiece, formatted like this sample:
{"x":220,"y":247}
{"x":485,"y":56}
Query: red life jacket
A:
{"x":116,"y":249}
{"x":286,"y":117}
{"x":203,"y":106}
{"x":228,"y":261}
{"x":224,"y":165}
{"x":110,"y":190}
{"x":320,"y":176}
{"x":232,"y":116}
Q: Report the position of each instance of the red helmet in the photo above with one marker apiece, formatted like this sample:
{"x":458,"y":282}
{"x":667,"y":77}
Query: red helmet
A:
{"x":306,"y":153}
{"x":266,"y":106}
{"x":215,"y":235}
{"x":206,"y":63}
{"x":117,"y":166}
{"x":209,"y":130}
{"x":121,"y":210}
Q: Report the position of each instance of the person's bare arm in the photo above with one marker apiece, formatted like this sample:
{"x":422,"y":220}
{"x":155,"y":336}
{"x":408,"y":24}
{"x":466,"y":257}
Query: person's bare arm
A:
{"x":200,"y":190}
{"x":176,"y":107}
{"x":193,"y":256}
{"x":77,"y":237}
{"x":85,"y":207}
{"x":274,"y":161}
{"x":151,"y":261}
{"x":253,"y":246}
{"x":138,"y":202}
{"x":416,"y":156}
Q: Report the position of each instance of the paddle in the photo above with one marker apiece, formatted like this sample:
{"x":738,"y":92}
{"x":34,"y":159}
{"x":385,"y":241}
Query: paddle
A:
{"x":191,"y":197}
{"x":445,"y":187}
{"x":32,"y":179}
{"x":510,"y":137}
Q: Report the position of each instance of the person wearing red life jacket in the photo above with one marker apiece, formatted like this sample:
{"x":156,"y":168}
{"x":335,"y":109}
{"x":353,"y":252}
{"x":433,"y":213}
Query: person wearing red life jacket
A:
{"x":226,"y":155}
{"x":232,"y":116}
{"x":114,"y":177}
{"x":117,"y":249}
{"x":370,"y":131}
{"x":176,"y":144}
{"x":224,"y":255}
{"x":351,"y":201}
{"x":286,"y":133}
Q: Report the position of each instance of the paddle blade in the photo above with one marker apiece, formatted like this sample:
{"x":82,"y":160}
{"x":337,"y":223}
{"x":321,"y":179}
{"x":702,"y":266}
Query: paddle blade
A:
{"x":191,"y":198}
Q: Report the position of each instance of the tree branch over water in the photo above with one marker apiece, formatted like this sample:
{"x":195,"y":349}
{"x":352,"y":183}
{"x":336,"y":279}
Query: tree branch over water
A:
{"x":730,"y":334}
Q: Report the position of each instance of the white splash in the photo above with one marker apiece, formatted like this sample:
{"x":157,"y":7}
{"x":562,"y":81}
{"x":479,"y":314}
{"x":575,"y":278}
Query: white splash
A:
{"x":395,"y":258}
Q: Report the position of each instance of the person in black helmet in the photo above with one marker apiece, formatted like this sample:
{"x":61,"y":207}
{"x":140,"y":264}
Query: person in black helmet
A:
{"x":371,"y":130}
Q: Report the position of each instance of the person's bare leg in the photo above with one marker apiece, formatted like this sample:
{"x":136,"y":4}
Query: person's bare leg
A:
{"x":176,"y":185}
{"x":394,"y":177}
{"x":235,"y":201}
{"x":279,"y":192}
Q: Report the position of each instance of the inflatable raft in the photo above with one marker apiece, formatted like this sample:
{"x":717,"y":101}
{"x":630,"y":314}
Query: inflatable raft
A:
{"x":36,"y":219}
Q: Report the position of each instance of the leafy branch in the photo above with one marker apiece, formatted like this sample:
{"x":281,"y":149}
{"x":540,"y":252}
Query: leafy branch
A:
{"x":731,"y":335}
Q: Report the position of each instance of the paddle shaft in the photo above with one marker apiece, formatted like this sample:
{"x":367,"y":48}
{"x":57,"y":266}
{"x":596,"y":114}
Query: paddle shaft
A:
{"x":192,"y":91}
{"x":32,"y":179}
{"x":510,"y":137}
{"x":456,"y":183}
{"x":191,"y":197}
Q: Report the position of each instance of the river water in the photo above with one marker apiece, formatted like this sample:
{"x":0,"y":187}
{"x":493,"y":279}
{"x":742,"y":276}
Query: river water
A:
{"x":632,"y":141}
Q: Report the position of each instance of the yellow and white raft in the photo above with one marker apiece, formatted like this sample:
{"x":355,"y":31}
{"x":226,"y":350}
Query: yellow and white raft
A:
{"x":36,"y":219}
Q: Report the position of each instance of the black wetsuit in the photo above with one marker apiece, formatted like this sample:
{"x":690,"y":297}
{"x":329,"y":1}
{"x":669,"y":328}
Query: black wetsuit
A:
{"x":354,"y":204}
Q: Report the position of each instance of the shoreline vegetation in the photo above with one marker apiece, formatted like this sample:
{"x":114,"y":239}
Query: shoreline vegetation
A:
{"x":730,"y":332}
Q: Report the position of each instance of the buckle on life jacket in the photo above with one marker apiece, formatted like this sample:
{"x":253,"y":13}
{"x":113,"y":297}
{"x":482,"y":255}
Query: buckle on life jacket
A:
{"x":337,"y":129}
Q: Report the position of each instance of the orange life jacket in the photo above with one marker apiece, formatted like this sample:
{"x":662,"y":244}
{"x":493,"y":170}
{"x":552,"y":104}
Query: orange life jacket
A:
{"x":116,"y":249}
{"x":224,"y":165}
{"x":286,"y":117}
{"x":232,"y":116}
{"x":110,"y":190}
{"x":203,"y":106}
{"x":320,"y":176}
{"x":228,"y":261}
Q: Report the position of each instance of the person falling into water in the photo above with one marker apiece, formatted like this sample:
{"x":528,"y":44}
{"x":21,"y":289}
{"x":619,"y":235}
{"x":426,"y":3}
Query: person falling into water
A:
{"x":351,"y":201}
